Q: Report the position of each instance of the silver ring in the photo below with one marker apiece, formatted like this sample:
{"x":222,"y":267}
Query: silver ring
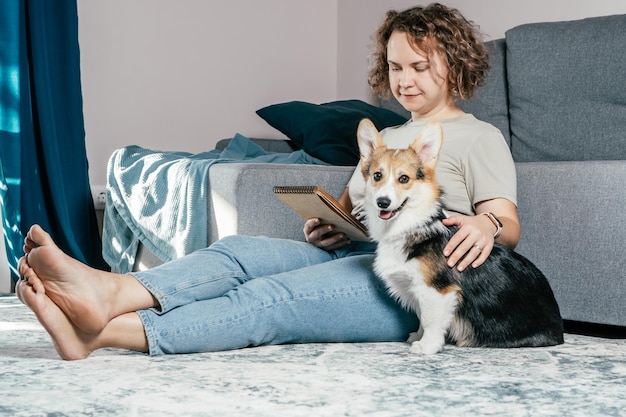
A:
{"x":478,"y":247}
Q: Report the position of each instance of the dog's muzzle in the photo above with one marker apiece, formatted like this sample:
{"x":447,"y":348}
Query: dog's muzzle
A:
{"x":383,"y":203}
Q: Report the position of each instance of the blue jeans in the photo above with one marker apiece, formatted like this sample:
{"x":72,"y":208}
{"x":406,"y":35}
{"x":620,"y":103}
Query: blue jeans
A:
{"x":251,"y":291}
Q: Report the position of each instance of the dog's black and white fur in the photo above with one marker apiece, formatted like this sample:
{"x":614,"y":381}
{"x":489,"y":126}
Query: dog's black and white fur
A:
{"x":506,"y":302}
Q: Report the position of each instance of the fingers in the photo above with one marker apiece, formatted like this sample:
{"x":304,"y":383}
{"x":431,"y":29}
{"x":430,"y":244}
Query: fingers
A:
{"x":469,"y":246}
{"x":468,"y":254}
{"x":322,"y":236}
{"x":484,"y":254}
{"x":309,"y":227}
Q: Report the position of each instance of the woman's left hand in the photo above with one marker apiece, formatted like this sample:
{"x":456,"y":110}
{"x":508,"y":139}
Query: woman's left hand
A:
{"x":471,"y":244}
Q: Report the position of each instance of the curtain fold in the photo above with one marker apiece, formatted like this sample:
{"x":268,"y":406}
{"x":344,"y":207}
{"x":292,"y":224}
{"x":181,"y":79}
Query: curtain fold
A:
{"x":43,"y":160}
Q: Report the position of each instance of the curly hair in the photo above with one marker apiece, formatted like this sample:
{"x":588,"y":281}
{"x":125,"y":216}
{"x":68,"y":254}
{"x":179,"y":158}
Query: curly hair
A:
{"x":429,"y":29}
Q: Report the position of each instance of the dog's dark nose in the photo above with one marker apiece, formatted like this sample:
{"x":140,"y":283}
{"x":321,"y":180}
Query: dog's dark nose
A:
{"x":383,"y":202}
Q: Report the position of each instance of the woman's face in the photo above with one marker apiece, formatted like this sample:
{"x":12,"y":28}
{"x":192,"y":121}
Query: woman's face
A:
{"x":418,"y":82}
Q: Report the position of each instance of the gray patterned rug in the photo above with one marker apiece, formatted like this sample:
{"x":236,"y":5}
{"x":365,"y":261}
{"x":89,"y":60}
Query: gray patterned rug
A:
{"x":584,"y":377}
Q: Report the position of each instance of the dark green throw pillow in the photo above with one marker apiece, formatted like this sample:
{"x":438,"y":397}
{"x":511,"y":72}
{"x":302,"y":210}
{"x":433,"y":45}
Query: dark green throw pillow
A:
{"x":327,"y":131}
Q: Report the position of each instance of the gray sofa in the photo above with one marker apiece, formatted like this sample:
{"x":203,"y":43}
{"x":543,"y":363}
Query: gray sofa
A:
{"x":558,"y":93}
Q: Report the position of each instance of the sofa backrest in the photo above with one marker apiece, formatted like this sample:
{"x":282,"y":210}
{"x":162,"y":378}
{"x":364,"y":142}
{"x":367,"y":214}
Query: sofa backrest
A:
{"x":556,"y":90}
{"x":567,"y":89}
{"x":490,"y":101}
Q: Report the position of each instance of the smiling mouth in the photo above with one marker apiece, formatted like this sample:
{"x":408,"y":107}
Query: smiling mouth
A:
{"x":409,"y":95}
{"x":389,"y":214}
{"x":386,"y":215}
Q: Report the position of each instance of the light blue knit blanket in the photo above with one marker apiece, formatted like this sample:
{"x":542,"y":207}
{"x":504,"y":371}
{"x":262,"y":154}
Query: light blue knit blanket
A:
{"x":161,"y":198}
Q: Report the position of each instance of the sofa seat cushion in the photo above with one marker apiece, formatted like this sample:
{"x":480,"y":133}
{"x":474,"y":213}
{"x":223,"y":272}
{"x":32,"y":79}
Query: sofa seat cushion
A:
{"x":567,"y":92}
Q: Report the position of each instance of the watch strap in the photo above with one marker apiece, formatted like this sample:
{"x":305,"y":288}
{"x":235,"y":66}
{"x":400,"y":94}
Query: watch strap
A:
{"x":496,"y":222}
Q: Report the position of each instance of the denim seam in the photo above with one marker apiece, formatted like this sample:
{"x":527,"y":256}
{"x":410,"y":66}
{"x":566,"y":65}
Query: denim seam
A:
{"x":265,"y":306}
{"x":150,"y":332}
{"x":164,"y":297}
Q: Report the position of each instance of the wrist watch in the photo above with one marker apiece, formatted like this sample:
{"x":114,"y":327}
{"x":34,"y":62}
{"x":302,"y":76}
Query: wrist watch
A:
{"x":496,"y":222}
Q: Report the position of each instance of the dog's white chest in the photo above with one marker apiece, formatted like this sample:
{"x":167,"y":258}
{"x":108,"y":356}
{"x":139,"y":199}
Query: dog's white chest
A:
{"x":403,"y":278}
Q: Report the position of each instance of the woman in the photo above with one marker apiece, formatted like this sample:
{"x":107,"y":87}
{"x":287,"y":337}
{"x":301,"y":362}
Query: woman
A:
{"x":248,"y":291}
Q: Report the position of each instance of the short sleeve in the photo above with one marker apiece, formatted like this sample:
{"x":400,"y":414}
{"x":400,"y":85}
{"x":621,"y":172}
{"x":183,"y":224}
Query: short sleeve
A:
{"x":490,"y":170}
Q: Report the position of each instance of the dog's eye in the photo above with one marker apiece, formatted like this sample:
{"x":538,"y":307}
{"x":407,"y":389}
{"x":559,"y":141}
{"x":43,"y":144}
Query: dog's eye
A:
{"x":377,"y":176}
{"x":403,"y":179}
{"x":420,"y":174}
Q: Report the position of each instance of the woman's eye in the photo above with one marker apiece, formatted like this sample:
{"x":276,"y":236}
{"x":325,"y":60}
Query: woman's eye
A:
{"x":377,"y":176}
{"x":403,"y":179}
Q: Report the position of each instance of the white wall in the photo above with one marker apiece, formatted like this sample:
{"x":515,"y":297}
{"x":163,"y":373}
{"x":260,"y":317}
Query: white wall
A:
{"x":493,"y":16}
{"x":180,"y":75}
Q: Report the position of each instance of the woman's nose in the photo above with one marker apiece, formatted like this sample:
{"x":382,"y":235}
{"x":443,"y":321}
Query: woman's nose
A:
{"x":403,"y":79}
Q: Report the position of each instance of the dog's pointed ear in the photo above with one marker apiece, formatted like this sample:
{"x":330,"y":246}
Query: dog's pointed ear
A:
{"x":368,"y":139}
{"x":428,"y":144}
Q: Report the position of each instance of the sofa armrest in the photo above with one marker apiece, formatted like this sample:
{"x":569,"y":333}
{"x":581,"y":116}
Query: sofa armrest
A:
{"x":270,"y":145}
{"x":572,"y":216}
{"x":242,"y":201}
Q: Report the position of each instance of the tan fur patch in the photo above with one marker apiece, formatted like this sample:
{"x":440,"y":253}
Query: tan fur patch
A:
{"x":399,"y":162}
{"x":430,"y":267}
{"x":461,"y":333}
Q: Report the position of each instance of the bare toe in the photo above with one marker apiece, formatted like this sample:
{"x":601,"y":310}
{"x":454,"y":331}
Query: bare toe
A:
{"x":70,"y":284}
{"x":35,"y":237}
{"x":69,"y":342}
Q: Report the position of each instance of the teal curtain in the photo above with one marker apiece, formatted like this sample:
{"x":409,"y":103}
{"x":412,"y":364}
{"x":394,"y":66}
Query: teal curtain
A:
{"x":43,"y":161}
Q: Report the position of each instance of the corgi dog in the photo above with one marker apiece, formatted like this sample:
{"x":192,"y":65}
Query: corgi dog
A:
{"x":506,"y":302}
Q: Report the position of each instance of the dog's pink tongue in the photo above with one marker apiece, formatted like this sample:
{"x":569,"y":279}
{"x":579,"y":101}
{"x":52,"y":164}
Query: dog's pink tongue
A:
{"x":385,"y":215}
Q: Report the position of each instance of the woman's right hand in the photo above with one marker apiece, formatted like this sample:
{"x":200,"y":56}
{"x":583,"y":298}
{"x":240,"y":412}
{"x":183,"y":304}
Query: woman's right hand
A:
{"x":322,"y":236}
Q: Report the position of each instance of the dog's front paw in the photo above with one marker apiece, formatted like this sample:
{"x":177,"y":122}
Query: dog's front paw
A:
{"x":414,"y":337}
{"x":423,"y":348}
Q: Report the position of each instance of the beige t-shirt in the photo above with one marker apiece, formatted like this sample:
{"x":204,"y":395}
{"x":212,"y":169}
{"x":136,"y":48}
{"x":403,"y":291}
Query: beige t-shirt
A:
{"x":475,"y":164}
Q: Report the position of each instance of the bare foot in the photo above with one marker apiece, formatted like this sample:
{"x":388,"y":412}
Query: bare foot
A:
{"x":83,"y":294}
{"x":69,"y":341}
